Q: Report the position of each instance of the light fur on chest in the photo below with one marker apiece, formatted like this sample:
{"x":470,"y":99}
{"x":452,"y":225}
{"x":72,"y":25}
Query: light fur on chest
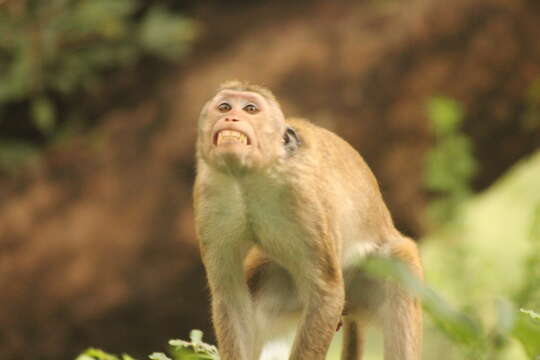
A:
{"x":258,"y":210}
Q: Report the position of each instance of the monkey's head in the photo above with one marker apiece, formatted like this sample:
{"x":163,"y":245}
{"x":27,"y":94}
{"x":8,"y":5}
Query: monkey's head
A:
{"x":242,"y":128}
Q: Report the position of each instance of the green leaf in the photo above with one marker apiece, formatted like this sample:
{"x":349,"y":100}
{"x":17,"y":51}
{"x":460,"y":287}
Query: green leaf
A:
{"x":84,"y":357}
{"x":44,"y":115}
{"x":446,"y":114}
{"x":166,"y":35}
{"x":196,"y":336}
{"x":449,"y":165}
{"x":527,"y":331}
{"x":194,"y":350}
{"x":456,"y":325}
{"x":96,"y":354}
{"x":159,"y":356}
{"x":532,"y":314}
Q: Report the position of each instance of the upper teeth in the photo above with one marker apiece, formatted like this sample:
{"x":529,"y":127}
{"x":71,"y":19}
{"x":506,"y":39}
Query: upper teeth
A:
{"x":231,"y":137}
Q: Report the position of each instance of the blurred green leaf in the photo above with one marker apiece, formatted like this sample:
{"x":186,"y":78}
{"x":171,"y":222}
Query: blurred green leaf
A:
{"x":107,"y":18}
{"x":533,"y":92}
{"x":44,"y":114}
{"x":159,"y":356}
{"x":527,"y":331}
{"x":60,"y":49}
{"x":529,"y":294}
{"x":449,"y":165}
{"x":166,"y":34}
{"x":488,"y":266}
{"x":446,"y":114}
{"x":96,"y":354}
{"x":458,"y":326}
{"x":14,"y":154}
{"x":531,"y":118}
{"x":533,"y":315}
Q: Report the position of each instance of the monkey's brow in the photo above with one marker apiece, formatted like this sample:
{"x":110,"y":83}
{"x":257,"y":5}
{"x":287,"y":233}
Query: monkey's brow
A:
{"x":254,"y":97}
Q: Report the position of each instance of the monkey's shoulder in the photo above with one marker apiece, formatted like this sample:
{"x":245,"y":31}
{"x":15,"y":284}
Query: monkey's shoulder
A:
{"x":304,"y":126}
{"x":312,"y":133}
{"x":325,"y":142}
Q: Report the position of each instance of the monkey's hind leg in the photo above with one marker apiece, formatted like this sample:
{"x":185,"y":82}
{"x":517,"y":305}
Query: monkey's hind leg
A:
{"x":353,"y":339}
{"x":402,"y":312}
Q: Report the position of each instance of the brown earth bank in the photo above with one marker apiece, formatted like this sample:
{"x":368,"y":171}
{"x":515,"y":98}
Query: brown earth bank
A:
{"x":97,"y":246}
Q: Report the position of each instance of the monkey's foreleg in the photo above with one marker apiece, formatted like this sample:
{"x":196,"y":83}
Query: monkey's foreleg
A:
{"x":322,"y":312}
{"x":233,"y":329}
{"x":232,"y":308}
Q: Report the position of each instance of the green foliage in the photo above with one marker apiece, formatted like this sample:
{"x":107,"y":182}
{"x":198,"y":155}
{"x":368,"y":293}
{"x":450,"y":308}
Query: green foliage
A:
{"x":449,"y":164}
{"x":465,"y":330}
{"x":531,"y":119}
{"x":97,"y":354}
{"x":488,"y":268}
{"x":165,"y":34}
{"x":13,"y":153}
{"x":446,"y":115}
{"x":195,"y":349}
{"x":63,"y":45}
{"x":52,"y":51}
{"x":529,"y":294}
{"x":459,"y":327}
{"x":533,"y":315}
{"x":527,"y":331}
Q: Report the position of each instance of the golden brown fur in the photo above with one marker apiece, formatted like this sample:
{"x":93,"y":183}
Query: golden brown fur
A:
{"x":282,"y":230}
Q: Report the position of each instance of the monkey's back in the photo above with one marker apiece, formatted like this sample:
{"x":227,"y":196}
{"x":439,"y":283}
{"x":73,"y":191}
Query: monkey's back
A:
{"x":333,"y":152}
{"x":341,"y":171}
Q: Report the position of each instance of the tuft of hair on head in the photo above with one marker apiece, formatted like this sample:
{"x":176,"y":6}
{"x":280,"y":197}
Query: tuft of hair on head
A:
{"x":246,"y":86}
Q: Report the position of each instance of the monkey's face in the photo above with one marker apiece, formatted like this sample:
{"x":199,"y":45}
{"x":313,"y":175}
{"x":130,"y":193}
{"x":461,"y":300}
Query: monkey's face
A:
{"x":240,"y":130}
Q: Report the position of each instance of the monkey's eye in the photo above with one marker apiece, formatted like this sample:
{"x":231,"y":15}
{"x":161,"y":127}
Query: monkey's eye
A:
{"x":224,"y":107}
{"x":251,"y":109}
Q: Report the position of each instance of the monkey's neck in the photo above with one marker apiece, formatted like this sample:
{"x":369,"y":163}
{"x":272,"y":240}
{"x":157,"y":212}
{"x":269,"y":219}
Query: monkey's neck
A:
{"x":277,"y":173}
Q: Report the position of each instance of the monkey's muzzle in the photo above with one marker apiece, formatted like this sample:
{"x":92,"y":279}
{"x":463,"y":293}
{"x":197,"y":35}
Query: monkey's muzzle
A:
{"x":229,"y":136}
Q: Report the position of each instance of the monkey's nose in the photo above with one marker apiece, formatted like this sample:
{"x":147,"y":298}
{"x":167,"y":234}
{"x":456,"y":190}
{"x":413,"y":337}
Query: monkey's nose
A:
{"x":232,"y":119}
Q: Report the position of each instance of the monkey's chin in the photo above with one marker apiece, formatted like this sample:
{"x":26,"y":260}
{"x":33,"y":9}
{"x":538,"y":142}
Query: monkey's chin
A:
{"x":234,"y":159}
{"x":232,"y":152}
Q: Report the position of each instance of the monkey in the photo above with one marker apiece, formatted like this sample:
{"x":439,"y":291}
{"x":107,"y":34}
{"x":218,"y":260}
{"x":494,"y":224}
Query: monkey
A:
{"x":284,"y":212}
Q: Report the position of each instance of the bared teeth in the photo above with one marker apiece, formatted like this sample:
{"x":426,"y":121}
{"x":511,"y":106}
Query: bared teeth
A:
{"x":231,"y":137}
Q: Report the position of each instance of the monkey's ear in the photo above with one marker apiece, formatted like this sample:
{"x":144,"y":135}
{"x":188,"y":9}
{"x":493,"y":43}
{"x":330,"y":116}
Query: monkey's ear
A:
{"x":291,"y":140}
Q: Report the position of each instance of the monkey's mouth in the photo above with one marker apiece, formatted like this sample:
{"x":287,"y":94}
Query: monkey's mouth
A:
{"x":227,"y":137}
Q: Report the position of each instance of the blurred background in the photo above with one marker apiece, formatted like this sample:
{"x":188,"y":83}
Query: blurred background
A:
{"x":98,"y":107}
